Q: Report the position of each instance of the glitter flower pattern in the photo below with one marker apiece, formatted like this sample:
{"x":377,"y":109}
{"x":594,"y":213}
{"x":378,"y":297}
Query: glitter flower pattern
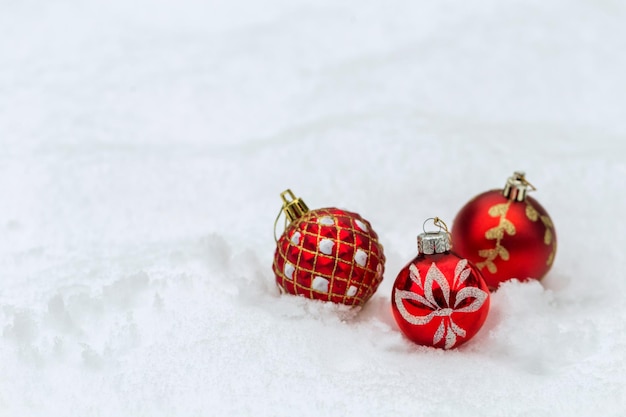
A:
{"x":441,"y":299}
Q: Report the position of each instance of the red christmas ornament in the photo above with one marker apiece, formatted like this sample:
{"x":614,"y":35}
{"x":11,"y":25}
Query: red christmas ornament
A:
{"x":327,"y":254}
{"x":439,"y":299}
{"x":506,"y":233}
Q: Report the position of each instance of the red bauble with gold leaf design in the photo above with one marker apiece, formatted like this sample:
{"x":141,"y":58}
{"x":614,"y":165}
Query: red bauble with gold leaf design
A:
{"x":506,"y":234}
{"x":328,"y":254}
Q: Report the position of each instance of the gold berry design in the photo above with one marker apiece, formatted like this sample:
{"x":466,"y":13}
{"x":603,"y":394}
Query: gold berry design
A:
{"x":548,"y":237}
{"x":497,"y":233}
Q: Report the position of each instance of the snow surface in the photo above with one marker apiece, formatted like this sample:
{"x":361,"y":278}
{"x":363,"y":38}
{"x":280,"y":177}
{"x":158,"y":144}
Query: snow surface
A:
{"x":144,"y":145}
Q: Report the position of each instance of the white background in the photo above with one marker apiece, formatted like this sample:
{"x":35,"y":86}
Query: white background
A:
{"x":143,"y":146}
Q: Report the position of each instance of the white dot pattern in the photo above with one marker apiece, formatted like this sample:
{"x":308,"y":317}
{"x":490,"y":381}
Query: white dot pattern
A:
{"x":360,"y":257}
{"x":320,"y":284}
{"x":361,"y":225}
{"x":351,"y":291}
{"x":326,"y":246}
{"x":289,"y":270}
{"x":327,"y":221}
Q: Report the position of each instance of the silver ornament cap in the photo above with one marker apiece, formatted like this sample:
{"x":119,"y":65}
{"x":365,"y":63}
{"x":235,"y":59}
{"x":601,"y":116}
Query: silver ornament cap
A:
{"x":429,"y":243}
{"x":433,"y":242}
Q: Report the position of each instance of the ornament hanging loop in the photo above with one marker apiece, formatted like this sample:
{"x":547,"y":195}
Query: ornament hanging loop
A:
{"x":443,"y":227}
{"x":293,"y":207}
{"x":276,"y":223}
{"x":527,"y":183}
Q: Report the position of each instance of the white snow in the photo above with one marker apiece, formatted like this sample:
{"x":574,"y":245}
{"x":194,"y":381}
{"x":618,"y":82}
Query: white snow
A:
{"x":143,"y":148}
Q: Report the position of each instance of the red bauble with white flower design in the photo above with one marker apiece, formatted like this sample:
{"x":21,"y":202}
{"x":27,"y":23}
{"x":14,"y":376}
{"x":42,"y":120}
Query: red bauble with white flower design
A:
{"x":328,"y":254}
{"x":439,"y":299}
{"x":506,"y":234}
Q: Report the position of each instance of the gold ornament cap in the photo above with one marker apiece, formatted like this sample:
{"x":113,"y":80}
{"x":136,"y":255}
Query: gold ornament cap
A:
{"x":293,"y":207}
{"x":429,"y":243}
{"x":517,"y":186}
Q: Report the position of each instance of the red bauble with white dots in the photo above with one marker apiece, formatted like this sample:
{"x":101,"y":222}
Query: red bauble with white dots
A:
{"x":329,"y":254}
